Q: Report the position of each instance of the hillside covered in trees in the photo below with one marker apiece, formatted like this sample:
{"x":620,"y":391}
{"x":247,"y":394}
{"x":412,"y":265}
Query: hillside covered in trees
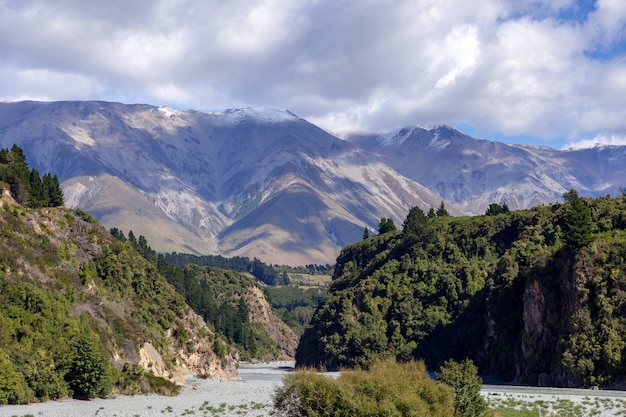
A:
{"x":82,"y":314}
{"x":85,"y":313}
{"x":231,"y":302}
{"x":535,"y":296}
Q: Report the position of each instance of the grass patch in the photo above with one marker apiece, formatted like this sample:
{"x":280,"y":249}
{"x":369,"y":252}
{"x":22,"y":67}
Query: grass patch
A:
{"x":513,"y":406}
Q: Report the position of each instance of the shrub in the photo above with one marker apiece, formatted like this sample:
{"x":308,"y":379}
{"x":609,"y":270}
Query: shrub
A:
{"x":387,"y":389}
{"x":88,"y":369}
{"x":463,"y":378}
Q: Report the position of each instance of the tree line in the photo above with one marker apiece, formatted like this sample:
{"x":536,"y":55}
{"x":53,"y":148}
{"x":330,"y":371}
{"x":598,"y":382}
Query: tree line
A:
{"x":27,"y":186}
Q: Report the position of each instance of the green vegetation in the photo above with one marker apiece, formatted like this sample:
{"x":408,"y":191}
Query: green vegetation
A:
{"x":267,"y":274}
{"x":463,"y":379}
{"x":534,"y":295}
{"x":387,"y":389}
{"x":27,"y":186}
{"x":70,"y":298}
{"x":506,"y":405}
{"x":295,"y":305}
{"x":386,"y":225}
{"x":216,"y":294}
{"x":88,"y":368}
{"x":495,"y":209}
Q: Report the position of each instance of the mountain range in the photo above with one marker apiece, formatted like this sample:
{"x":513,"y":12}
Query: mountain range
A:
{"x":266,"y":183}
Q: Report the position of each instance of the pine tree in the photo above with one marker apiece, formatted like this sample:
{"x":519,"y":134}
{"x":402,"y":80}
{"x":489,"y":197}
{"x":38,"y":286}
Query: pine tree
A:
{"x":386,"y":225}
{"x":441,"y":211}
{"x":578,"y":226}
{"x":55,"y":192}
{"x":366,"y":233}
{"x":38,"y":196}
{"x":415,"y":221}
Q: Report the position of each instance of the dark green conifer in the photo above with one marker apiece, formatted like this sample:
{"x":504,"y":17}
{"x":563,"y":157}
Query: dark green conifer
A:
{"x":441,"y":211}
{"x":578,"y":226}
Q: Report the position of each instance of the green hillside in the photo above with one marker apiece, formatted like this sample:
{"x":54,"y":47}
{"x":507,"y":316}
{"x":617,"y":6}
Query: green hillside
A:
{"x":84,"y":314}
{"x":536,"y":296}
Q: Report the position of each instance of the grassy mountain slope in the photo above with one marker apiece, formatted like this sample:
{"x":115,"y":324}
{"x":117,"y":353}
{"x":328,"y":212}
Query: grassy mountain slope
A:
{"x":536,"y":295}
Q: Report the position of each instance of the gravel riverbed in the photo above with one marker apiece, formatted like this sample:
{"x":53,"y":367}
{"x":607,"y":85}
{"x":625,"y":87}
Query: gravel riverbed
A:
{"x":252,"y":397}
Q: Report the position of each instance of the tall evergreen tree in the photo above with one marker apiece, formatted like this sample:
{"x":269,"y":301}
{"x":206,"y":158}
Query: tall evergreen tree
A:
{"x":386,"y":225}
{"x":55,"y":192}
{"x":38,"y":196}
{"x":441,"y":211}
{"x":578,"y":226}
{"x":415,"y":221}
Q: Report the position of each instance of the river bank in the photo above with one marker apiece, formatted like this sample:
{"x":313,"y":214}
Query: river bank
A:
{"x":251,"y":396}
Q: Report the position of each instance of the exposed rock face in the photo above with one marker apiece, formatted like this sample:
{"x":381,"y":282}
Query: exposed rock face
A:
{"x":534,"y":316}
{"x":196,"y":357}
{"x":261,"y":312}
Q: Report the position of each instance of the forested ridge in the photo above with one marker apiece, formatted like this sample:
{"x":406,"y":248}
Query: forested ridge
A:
{"x":222,"y":297}
{"x":535,"y":296}
{"x":77,"y":307}
{"x":82,"y":313}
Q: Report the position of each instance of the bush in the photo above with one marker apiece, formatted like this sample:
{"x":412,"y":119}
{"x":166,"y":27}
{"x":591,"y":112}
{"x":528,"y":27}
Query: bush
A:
{"x":88,"y":370}
{"x":13,"y":388}
{"x":387,"y":389}
{"x":463,"y":378}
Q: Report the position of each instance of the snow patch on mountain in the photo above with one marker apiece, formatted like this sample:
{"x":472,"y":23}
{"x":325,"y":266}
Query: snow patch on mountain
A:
{"x":439,"y":143}
{"x":395,"y":138}
{"x":261,"y":114}
{"x":169,"y":112}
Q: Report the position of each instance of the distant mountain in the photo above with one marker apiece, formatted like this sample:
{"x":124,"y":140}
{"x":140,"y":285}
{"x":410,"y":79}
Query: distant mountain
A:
{"x":249,"y":182}
{"x":265,"y":183}
{"x":474,"y":173}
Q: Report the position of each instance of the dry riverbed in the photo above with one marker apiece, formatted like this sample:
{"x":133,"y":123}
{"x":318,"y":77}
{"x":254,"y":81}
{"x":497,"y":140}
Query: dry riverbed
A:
{"x":252,"y":397}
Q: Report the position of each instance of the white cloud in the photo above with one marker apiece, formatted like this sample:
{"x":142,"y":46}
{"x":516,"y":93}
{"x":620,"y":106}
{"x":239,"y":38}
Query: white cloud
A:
{"x":509,"y":67}
{"x":598,"y":140}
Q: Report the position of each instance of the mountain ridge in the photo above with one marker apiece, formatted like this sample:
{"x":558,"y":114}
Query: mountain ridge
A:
{"x":244,"y":182}
{"x":207,"y":172}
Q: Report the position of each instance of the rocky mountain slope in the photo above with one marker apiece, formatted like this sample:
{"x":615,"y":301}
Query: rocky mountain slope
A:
{"x":265,"y":183}
{"x":474,"y":173}
{"x":250,"y":182}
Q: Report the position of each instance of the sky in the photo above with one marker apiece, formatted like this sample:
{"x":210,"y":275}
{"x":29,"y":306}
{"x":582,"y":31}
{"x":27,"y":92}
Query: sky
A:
{"x":544,"y":72}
